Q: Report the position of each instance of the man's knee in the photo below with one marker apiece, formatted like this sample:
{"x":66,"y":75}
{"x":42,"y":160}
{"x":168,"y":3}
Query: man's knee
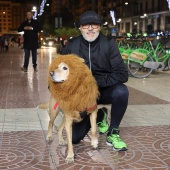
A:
{"x":120,"y":92}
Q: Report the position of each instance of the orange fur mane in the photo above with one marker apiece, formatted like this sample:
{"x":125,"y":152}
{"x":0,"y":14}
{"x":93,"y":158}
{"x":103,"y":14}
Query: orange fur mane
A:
{"x":80,"y":90}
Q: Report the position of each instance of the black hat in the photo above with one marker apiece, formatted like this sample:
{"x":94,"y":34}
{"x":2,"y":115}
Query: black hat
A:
{"x":89,"y":17}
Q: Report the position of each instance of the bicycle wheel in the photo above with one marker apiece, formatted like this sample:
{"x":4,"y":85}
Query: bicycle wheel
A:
{"x":137,"y":68}
{"x":169,"y":63}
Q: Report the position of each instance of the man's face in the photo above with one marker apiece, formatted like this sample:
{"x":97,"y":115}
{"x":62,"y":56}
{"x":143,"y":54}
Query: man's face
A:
{"x":90,"y":31}
{"x":29,"y":15}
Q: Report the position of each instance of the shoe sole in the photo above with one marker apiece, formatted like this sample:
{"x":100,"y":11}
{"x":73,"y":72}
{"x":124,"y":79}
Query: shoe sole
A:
{"x":119,"y":150}
{"x":116,"y":149}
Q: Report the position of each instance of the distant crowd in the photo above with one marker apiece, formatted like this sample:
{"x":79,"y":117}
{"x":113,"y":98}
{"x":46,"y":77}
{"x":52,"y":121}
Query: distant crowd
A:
{"x":7,"y":41}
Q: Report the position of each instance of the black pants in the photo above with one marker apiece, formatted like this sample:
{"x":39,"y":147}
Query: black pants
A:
{"x":27,"y":56}
{"x":116,"y":95}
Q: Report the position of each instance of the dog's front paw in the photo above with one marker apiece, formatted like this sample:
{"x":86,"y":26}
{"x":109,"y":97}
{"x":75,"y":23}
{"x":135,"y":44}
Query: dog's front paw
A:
{"x":94,"y":143}
{"x":69,"y":159}
{"x":49,"y":138}
{"x":62,"y":142}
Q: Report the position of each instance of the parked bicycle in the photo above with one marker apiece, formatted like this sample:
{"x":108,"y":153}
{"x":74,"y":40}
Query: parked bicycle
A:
{"x":141,"y":62}
{"x":142,"y":56}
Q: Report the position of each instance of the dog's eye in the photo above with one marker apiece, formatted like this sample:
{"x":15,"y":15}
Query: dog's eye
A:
{"x":64,"y":68}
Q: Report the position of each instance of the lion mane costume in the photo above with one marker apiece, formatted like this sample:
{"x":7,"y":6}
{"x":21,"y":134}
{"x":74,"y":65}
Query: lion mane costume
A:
{"x":80,"y":91}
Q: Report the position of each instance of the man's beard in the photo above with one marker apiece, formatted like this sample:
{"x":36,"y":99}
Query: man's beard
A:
{"x":90,"y":39}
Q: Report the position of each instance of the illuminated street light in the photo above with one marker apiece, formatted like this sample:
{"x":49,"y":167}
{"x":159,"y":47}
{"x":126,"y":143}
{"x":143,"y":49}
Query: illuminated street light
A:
{"x":34,"y":8}
{"x":119,"y":20}
{"x":126,"y":3}
{"x":144,"y":16}
{"x":105,"y":23}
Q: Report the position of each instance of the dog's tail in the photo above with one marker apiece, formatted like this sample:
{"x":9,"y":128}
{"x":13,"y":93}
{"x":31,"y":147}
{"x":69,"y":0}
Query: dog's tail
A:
{"x":43,"y":106}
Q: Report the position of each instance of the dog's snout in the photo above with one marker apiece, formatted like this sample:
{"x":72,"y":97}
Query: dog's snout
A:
{"x":51,"y":73}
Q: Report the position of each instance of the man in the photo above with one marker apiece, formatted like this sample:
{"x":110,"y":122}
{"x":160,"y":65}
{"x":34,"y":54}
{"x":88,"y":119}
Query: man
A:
{"x":102,"y":56}
{"x":31,"y":28}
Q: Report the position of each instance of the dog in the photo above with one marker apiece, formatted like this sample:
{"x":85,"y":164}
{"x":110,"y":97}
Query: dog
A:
{"x":73,"y":90}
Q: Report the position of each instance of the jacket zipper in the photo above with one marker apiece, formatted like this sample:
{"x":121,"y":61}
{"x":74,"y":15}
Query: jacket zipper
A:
{"x":89,"y":58}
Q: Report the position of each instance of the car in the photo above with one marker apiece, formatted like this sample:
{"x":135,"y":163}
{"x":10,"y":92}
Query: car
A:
{"x":50,"y":43}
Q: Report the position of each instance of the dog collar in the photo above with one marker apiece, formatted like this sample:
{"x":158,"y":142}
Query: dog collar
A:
{"x":83,"y":114}
{"x":91,"y":108}
{"x":55,"y":106}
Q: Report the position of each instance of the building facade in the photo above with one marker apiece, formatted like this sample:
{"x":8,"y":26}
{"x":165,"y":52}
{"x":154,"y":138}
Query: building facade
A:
{"x":130,"y":15}
{"x":142,"y":15}
{"x":12,"y":15}
{"x":70,"y":10}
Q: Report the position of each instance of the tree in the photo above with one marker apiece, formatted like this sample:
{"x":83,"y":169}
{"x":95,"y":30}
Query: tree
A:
{"x":67,"y":32}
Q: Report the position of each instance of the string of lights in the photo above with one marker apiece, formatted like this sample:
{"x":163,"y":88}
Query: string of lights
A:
{"x":112,"y":14}
{"x":41,"y":9}
{"x":42,"y":6}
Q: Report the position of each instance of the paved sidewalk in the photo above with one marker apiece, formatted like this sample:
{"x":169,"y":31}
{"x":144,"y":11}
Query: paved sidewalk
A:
{"x":145,"y":127}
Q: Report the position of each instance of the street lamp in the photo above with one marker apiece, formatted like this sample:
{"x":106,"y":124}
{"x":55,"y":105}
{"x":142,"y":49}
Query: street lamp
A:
{"x":119,"y":20}
{"x":34,"y":8}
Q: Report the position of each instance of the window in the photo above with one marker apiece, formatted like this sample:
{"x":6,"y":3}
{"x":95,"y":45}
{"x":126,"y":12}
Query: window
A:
{"x":146,"y":7}
{"x":153,"y":5}
{"x":167,"y":20}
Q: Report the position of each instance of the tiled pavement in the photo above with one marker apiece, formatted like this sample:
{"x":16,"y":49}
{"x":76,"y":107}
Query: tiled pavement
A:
{"x":145,"y":127}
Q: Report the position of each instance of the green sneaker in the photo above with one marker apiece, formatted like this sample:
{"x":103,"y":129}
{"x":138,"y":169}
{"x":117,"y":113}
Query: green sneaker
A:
{"x":114,"y":140}
{"x":103,"y":126}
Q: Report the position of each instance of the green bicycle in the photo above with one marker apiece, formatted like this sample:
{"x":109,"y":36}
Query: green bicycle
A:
{"x":141,"y":62}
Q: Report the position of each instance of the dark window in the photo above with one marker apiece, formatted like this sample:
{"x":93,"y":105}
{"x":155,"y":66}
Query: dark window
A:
{"x":158,"y":23}
{"x":159,"y":5}
{"x":153,"y":5}
{"x":168,"y":20}
{"x":146,"y":7}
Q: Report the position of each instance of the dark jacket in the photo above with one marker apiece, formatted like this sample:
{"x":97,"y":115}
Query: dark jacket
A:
{"x":106,"y":63}
{"x":30,"y":36}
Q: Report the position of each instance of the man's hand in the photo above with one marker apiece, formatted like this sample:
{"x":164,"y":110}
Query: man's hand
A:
{"x":28,"y":28}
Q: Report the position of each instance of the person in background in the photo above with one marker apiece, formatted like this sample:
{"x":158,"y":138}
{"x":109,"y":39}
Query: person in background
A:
{"x":31,"y":28}
{"x":62,"y":45}
{"x":2,"y":43}
{"x":6,"y":43}
{"x":102,"y":56}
